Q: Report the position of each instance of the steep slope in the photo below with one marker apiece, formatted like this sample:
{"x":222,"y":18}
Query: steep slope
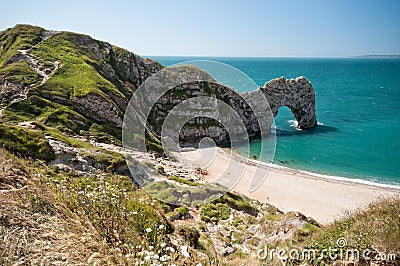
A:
{"x":67,"y":79}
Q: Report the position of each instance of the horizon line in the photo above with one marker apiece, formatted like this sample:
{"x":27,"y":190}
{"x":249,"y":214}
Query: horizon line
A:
{"x":305,"y":57}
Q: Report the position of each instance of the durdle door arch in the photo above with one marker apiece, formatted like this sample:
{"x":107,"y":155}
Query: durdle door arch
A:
{"x":297,"y":94}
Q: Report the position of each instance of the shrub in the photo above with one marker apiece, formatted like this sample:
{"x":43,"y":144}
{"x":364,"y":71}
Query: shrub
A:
{"x":214,"y":212}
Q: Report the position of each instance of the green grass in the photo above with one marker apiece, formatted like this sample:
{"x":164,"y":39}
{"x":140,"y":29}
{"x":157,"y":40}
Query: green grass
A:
{"x":80,"y":74}
{"x":77,"y":77}
{"x":25,"y":142}
{"x":238,"y":202}
{"x":18,"y":38}
{"x":20,"y":72}
{"x":179,"y":213}
{"x":184,"y":181}
{"x":214,"y":212}
{"x":111,"y":160}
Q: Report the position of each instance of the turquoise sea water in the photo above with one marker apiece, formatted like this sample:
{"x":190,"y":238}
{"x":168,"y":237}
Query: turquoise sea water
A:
{"x":358,"y":108}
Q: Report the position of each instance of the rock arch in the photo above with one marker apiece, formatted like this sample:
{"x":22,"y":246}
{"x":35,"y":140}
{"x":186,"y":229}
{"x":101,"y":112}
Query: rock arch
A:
{"x":297,"y":94}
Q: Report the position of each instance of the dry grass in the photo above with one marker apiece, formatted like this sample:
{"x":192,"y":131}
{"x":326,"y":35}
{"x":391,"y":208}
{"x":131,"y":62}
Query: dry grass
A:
{"x":49,"y":218}
{"x":34,"y":228}
{"x":375,"y":228}
{"x":61,"y":219}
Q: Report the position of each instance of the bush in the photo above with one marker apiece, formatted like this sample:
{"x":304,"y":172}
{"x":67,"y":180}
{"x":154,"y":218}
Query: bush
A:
{"x":190,"y":234}
{"x":214,"y":212}
{"x":238,"y":202}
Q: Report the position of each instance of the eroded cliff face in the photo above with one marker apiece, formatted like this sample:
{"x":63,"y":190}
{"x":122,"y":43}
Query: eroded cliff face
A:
{"x":74,"y":81}
{"x":297,"y":94}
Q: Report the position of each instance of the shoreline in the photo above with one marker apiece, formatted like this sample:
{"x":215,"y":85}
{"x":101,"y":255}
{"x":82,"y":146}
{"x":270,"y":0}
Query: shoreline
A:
{"x":339,"y":179}
{"x":355,"y":181}
{"x":323,"y":198}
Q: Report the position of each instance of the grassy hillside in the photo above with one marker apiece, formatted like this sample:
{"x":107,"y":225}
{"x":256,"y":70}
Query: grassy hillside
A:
{"x":73,"y":83}
{"x":70,"y":219}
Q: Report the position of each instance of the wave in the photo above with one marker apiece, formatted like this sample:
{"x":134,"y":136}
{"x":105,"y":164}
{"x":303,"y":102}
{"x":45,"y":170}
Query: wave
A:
{"x":292,"y":123}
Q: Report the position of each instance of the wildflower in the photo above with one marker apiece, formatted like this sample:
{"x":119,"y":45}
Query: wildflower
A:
{"x":148,"y":230}
{"x":147,"y":258}
{"x":171,"y":249}
{"x":185,"y":252}
{"x":151,"y":247}
{"x":165,"y":258}
{"x":161,"y":227}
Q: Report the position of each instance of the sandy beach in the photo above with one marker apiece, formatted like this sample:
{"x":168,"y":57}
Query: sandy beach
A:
{"x":322,"y":198}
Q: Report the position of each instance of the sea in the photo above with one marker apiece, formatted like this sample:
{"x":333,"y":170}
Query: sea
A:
{"x":358,"y":114}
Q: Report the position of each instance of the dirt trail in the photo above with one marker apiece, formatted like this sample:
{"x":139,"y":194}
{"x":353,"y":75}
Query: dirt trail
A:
{"x":39,"y":67}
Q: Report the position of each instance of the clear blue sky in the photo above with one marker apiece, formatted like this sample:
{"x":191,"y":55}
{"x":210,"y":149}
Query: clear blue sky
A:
{"x":299,"y":28}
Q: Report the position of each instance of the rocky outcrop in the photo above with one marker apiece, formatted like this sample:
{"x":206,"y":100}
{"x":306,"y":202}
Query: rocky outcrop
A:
{"x":98,"y":108}
{"x":297,"y":94}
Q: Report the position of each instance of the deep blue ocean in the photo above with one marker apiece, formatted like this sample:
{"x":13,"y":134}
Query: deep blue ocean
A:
{"x":358,"y":108}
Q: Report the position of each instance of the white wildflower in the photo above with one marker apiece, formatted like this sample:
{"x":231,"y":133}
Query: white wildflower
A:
{"x":148,"y":230}
{"x":165,"y":258}
{"x":171,"y":249}
{"x":185,"y":252}
{"x":161,"y":227}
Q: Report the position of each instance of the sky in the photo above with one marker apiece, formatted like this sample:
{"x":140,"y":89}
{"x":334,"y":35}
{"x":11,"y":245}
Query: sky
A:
{"x":280,"y":28}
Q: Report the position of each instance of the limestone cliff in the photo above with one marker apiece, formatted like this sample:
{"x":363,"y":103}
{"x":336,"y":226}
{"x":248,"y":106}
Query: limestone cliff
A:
{"x":82,"y":86}
{"x":297,"y":94}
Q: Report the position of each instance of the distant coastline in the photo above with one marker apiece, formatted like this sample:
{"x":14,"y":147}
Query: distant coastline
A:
{"x":377,"y":56}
